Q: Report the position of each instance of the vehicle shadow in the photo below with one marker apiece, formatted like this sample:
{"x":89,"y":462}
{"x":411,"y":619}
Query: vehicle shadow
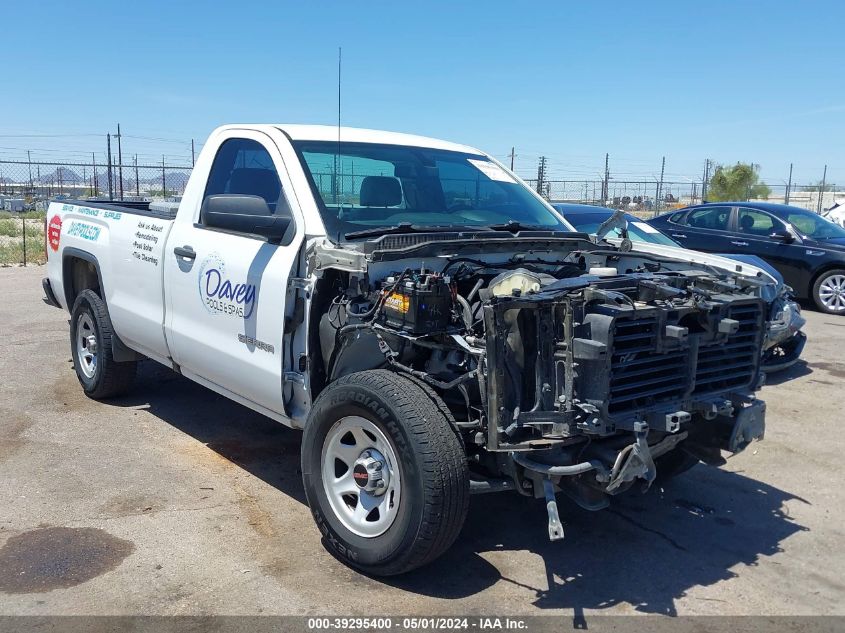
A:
{"x":261,"y":446}
{"x":646,"y":550}
{"x":799,"y":369}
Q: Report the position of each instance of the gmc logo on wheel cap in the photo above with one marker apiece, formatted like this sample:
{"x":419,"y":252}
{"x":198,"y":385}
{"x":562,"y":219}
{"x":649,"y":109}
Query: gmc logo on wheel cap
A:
{"x":360,"y":475}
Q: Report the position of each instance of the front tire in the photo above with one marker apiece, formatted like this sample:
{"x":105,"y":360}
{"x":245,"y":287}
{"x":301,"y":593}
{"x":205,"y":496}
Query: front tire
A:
{"x":384,"y":473}
{"x":829,"y":291}
{"x":91,"y":339}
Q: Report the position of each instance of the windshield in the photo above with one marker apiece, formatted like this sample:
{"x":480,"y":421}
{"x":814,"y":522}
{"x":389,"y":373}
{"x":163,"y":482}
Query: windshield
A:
{"x":814,"y":226}
{"x":360,"y":186}
{"x":638,"y":231}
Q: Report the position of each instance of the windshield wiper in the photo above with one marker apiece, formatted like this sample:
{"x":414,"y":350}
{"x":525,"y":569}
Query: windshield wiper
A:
{"x":513,"y":226}
{"x":408,"y":227}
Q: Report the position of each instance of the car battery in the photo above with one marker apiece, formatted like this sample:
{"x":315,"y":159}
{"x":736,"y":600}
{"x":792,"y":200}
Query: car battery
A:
{"x":419,"y":305}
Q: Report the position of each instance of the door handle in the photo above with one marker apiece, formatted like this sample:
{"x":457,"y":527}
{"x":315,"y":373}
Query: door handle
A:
{"x":185,"y":252}
{"x":681,"y":235}
{"x":735,"y":243}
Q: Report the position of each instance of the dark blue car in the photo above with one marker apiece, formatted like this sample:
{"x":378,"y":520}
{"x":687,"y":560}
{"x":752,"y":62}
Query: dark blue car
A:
{"x":805,"y":248}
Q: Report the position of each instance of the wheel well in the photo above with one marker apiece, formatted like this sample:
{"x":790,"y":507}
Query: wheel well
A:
{"x":80,"y":274}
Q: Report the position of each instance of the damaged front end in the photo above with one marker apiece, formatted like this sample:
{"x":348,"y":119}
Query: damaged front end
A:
{"x":591,"y":381}
{"x":568,"y":369}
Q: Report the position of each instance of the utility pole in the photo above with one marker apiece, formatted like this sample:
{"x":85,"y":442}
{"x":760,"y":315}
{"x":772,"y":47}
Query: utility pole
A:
{"x":512,"y":157}
{"x":163,"y":179}
{"x":541,"y":175}
{"x":108,"y":151}
{"x":137,"y":185}
{"x":94,"y":166}
{"x":192,"y":152}
{"x":788,"y":186}
{"x":821,"y":190}
{"x":705,"y":180}
{"x":659,"y":187}
{"x":119,"y":161}
{"x":29,"y":160}
{"x":605,"y":187}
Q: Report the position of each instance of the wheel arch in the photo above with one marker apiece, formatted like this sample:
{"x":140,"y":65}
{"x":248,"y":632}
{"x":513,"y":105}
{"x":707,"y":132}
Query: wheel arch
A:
{"x":80,"y":271}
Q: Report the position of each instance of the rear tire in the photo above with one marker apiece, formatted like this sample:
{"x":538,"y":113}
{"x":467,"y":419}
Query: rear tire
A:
{"x":829,"y":291}
{"x":91,"y":339}
{"x":421,"y":467}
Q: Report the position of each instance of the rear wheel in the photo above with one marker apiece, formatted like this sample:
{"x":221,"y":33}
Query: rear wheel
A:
{"x":384,"y":474}
{"x":829,"y":291}
{"x":91,"y":337}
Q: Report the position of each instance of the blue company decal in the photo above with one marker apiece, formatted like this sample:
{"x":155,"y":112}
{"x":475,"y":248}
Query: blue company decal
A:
{"x":219,"y":294}
{"x":85,"y":231}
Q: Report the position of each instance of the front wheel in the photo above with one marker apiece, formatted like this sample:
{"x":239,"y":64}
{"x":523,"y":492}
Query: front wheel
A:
{"x":829,"y":292}
{"x":384,"y":473}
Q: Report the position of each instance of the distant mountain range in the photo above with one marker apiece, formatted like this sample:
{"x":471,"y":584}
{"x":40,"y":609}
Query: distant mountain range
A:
{"x":65,"y":175}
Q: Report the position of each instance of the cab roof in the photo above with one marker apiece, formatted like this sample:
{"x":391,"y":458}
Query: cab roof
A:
{"x":362,"y":135}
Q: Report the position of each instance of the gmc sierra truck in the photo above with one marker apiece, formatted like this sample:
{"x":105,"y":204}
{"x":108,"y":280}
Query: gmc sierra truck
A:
{"x":430,"y":322}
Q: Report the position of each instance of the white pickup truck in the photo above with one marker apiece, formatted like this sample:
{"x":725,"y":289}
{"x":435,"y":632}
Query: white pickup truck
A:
{"x":433,"y":325}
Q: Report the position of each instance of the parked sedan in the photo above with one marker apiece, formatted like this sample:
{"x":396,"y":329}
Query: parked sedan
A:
{"x":785,"y":340}
{"x":807,"y":249}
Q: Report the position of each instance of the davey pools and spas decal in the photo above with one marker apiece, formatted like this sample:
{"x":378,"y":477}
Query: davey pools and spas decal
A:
{"x":221,"y":295}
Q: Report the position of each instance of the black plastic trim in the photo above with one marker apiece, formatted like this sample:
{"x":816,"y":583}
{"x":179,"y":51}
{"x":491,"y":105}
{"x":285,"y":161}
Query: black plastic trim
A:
{"x":49,"y":295}
{"x":126,"y":207}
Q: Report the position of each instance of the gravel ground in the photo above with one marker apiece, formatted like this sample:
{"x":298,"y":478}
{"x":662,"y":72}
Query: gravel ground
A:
{"x":177,"y":501}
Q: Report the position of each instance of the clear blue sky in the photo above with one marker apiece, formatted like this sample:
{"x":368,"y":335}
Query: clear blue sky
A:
{"x":731,"y":81}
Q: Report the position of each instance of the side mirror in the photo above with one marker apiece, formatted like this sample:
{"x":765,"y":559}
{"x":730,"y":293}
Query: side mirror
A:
{"x":245,"y":214}
{"x":783,"y":236}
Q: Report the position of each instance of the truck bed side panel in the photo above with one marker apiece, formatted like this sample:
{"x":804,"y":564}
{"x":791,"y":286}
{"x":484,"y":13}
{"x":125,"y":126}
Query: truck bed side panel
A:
{"x":127,"y":249}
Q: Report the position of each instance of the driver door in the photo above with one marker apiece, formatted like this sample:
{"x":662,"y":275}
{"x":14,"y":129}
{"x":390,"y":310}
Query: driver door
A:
{"x":226,"y":290}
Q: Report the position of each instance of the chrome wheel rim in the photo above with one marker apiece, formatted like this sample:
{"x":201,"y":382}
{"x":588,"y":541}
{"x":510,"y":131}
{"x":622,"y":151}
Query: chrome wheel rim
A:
{"x":832,"y":293}
{"x":86,"y":345}
{"x":361,"y":476}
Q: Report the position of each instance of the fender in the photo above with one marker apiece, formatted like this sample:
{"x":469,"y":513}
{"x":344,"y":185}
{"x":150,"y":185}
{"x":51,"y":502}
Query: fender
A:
{"x":120,"y":352}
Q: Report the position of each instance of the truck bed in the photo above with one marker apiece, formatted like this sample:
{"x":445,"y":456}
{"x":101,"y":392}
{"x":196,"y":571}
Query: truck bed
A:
{"x":125,"y":243}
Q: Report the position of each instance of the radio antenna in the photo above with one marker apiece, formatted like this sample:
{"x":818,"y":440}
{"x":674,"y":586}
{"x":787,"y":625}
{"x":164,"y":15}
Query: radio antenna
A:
{"x":337,"y":182}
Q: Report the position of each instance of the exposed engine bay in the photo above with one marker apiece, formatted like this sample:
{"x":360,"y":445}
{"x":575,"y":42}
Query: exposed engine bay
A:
{"x":566,"y":365}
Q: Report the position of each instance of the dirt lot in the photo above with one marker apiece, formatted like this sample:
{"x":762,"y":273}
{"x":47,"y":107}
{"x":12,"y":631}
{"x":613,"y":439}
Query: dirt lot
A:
{"x":177,"y":501}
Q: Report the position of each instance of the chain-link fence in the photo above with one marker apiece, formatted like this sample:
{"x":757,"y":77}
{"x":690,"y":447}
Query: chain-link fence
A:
{"x":27,"y":187}
{"x":650,"y":198}
{"x":40,"y":181}
{"x":22,"y":238}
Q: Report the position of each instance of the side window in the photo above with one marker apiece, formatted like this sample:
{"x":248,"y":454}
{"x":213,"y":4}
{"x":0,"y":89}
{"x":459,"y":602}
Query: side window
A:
{"x":715,"y":218}
{"x":756,"y":222}
{"x":243,"y":166}
{"x":677,"y":218}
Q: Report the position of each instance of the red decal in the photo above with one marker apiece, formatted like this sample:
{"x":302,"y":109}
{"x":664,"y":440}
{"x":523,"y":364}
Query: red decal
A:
{"x":54,"y":232}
